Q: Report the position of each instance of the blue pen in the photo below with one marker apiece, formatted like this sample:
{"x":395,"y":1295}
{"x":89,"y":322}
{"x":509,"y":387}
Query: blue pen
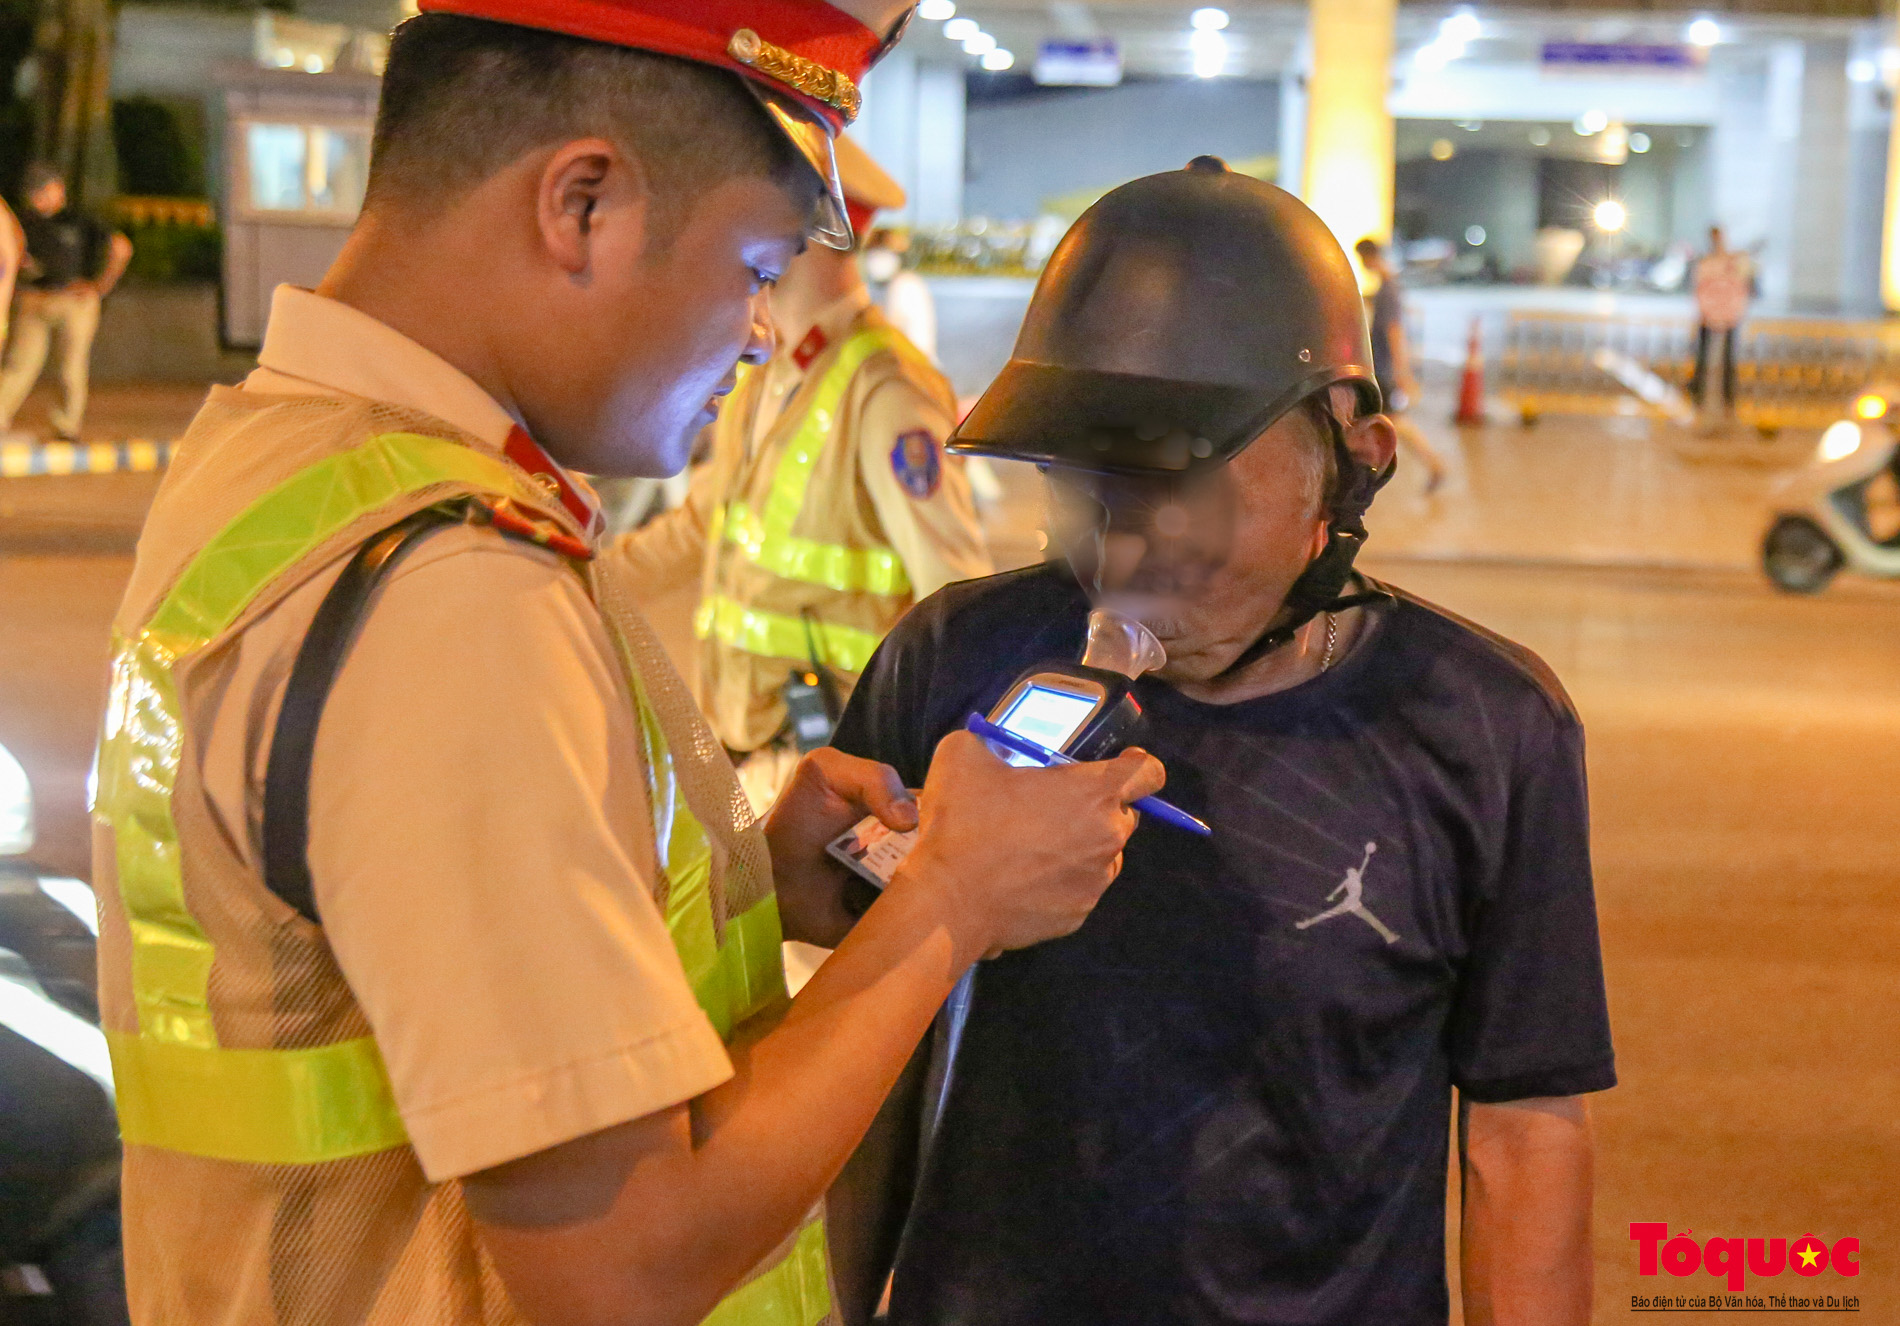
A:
{"x":1155,"y":806}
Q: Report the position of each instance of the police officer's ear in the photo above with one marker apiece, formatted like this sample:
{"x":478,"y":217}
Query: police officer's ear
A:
{"x":584,"y":185}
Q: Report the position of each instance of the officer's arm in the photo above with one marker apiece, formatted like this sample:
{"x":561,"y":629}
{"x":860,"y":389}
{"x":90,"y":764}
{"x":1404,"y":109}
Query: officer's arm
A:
{"x":653,"y":1221}
{"x":924,"y":505}
{"x":1527,"y":1191}
{"x":668,"y":551}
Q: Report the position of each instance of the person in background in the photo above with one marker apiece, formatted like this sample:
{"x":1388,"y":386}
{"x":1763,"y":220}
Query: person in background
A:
{"x":12,"y":258}
{"x":1724,"y":279}
{"x":73,"y":263}
{"x":1392,"y":357}
{"x":900,"y":292}
{"x":827,"y":509}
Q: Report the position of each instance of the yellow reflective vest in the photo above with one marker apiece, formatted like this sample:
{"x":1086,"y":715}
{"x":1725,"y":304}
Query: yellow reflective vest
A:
{"x":268,"y":1172}
{"x":798,"y":568}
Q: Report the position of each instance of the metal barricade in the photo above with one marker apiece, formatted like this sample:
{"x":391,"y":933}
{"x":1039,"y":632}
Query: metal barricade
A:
{"x":1789,"y":372}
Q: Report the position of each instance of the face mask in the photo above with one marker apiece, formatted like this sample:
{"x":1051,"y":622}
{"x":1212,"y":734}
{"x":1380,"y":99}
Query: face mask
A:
{"x":880,"y":265}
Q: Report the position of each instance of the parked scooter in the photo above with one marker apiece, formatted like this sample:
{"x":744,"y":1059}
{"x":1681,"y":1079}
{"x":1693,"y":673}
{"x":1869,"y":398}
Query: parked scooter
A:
{"x":1823,"y":525}
{"x":60,"y":1258}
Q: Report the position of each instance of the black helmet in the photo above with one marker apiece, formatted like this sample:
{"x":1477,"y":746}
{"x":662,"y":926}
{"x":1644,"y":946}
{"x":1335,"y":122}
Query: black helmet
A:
{"x":1177,"y":320}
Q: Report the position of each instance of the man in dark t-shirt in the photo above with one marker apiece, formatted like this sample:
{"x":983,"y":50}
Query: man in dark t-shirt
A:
{"x":1227,"y":1097}
{"x":72,"y":264}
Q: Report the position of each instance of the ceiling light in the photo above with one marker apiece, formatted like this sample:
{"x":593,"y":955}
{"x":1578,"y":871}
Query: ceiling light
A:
{"x":960,"y":29}
{"x":1474,"y":235}
{"x":1540,"y":137}
{"x":998,"y":60}
{"x":1704,"y":32}
{"x":1433,"y":55}
{"x":1591,"y":122}
{"x":1639,"y":141}
{"x":1461,"y":27}
{"x":936,"y":10}
{"x":1210,"y":52}
{"x":1609,"y":215}
{"x":980,"y":43}
{"x":1442,"y":149}
{"x":1208,"y":20}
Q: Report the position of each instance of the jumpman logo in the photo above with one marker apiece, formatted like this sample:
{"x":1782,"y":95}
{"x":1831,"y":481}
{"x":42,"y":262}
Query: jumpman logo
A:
{"x":1354,"y":887}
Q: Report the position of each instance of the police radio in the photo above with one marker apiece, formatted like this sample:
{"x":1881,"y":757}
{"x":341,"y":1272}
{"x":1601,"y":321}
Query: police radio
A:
{"x":1055,"y":713}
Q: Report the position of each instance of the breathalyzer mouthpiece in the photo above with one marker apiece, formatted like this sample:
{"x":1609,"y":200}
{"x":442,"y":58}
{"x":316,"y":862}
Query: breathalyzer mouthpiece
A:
{"x":1121,"y":644}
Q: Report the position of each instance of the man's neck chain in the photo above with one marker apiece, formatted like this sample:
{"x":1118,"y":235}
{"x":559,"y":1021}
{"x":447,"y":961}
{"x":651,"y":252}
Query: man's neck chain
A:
{"x":1332,"y":641}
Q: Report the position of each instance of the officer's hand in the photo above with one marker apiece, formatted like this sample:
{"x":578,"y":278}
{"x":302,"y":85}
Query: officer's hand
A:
{"x":1024,"y":854}
{"x":829,"y":792}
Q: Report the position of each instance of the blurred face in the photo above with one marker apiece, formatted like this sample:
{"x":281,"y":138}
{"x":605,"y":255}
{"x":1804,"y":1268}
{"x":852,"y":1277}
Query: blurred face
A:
{"x":1206,"y":561}
{"x":50,"y":198}
{"x":628,"y":345}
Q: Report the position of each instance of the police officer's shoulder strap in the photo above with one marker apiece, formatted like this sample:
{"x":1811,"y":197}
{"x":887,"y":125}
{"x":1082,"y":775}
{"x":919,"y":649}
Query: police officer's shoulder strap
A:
{"x":319,"y":659}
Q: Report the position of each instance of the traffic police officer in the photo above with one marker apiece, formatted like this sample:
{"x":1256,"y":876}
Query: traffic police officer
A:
{"x":827,"y":507}
{"x":449,"y":1007}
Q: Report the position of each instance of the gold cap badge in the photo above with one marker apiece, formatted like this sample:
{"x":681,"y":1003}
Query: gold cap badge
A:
{"x":796,"y":72}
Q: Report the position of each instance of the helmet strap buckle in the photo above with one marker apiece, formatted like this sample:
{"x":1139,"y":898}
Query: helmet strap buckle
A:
{"x":1321,"y":586}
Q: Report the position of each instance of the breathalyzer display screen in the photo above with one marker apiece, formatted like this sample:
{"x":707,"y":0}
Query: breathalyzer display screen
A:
{"x":1047,"y":717}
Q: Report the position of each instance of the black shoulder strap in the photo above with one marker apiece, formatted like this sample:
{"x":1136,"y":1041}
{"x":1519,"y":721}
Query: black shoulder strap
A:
{"x":287,"y":775}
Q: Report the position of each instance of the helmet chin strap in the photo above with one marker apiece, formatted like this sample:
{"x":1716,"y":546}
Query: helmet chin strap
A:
{"x":1321,"y":585}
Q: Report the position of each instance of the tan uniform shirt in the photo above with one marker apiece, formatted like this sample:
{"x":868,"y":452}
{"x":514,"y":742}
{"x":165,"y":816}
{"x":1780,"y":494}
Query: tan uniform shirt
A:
{"x":477,"y":809}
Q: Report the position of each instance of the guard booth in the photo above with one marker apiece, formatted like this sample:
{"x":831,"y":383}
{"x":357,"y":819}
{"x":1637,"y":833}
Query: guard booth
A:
{"x":296,"y":155}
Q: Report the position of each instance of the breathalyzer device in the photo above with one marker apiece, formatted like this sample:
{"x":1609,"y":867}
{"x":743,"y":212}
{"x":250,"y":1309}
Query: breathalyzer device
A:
{"x":1054,"y":713}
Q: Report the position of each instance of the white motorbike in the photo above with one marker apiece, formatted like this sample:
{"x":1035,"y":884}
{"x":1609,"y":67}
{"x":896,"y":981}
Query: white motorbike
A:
{"x":1823,"y":525}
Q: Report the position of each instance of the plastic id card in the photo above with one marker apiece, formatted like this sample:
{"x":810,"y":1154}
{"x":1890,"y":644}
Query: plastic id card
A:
{"x":871,"y":850}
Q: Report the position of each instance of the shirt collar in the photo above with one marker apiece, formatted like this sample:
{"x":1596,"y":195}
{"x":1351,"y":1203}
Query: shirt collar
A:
{"x":831,"y":324}
{"x":322,"y":343}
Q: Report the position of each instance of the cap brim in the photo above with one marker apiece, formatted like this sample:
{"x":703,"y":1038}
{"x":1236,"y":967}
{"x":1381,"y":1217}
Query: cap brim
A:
{"x":1122,"y":422}
{"x":1105,"y":421}
{"x":831,"y":222}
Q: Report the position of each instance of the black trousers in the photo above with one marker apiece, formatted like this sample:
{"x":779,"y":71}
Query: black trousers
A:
{"x":1698,"y":383}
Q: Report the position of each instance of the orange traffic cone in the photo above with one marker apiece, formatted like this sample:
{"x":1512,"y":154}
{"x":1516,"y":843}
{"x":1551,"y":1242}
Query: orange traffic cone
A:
{"x":1471,"y":387}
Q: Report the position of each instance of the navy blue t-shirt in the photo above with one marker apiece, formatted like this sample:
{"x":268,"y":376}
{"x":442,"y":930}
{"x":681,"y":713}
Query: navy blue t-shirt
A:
{"x":1226,"y":1098}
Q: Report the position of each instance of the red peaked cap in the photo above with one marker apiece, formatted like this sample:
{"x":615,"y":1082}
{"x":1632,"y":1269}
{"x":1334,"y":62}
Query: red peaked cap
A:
{"x":818,"y":37}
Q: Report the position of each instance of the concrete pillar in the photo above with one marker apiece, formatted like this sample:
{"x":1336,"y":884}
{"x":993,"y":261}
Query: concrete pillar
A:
{"x":887,"y":126}
{"x":1754,"y":147}
{"x":1869,"y":116}
{"x":938,"y":200}
{"x":912,"y":123}
{"x":1890,"y":215}
{"x":1291,"y":145}
{"x":1817,"y":214}
{"x":1348,"y":158}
